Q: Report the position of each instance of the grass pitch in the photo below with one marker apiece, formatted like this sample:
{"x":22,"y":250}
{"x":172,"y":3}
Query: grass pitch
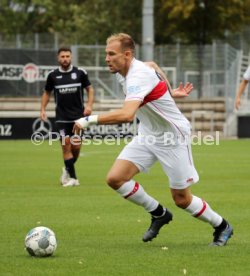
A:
{"x":99,"y":233}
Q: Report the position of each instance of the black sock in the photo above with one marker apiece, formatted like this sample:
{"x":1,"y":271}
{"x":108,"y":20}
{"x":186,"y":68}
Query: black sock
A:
{"x":69,"y":165}
{"x":159,"y":211}
{"x":222,"y":226}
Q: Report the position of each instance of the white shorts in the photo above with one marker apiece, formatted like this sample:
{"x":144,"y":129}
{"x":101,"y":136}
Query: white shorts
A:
{"x":176,"y":161}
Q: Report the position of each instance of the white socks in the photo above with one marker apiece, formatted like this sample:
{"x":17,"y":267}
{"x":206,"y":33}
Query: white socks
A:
{"x":199,"y":208}
{"x":134,"y":192}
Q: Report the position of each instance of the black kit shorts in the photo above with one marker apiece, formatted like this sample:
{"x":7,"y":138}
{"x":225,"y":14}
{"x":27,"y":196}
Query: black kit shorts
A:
{"x":65,"y":128}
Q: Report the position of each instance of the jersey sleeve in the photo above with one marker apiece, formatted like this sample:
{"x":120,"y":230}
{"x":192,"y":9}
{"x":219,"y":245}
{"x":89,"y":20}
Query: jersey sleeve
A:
{"x":140,"y":85}
{"x":85,"y":79}
{"x":49,"y":85}
{"x":246,"y":75}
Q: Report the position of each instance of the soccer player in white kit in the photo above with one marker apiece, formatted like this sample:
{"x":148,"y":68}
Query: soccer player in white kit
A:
{"x":163,"y":136}
{"x":242,"y":87}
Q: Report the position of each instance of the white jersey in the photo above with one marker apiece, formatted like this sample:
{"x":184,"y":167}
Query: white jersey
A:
{"x":158,"y":113}
{"x":246,"y":75}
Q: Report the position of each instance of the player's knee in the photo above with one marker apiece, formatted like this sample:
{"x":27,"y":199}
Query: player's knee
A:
{"x":114,"y":181}
{"x":181,"y":202}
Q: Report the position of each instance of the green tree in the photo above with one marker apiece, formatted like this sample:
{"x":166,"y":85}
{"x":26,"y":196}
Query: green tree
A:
{"x":20,"y":17}
{"x":199,"y":22}
{"x":91,"y":21}
{"x":78,"y":21}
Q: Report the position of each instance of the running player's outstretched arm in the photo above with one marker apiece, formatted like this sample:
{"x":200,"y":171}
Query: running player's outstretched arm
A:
{"x":160,"y":73}
{"x":123,"y":115}
{"x":179,"y":92}
{"x":182,"y":91}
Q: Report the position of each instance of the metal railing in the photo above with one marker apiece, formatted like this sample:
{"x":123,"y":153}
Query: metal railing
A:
{"x":222,"y":70}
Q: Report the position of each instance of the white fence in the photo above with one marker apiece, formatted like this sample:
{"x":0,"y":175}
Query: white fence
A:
{"x":223,"y":67}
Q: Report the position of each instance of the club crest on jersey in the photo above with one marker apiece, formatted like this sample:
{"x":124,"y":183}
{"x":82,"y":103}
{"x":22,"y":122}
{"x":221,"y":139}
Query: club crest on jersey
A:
{"x":73,"y":76}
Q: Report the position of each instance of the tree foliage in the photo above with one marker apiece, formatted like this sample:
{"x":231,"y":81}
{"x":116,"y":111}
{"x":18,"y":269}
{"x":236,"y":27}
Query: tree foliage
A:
{"x":78,"y":21}
{"x":200,"y":21}
{"x":91,"y":21}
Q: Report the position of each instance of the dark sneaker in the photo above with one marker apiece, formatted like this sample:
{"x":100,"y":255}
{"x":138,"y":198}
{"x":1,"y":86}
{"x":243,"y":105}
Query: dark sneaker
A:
{"x":156,"y":225}
{"x":222,"y":236}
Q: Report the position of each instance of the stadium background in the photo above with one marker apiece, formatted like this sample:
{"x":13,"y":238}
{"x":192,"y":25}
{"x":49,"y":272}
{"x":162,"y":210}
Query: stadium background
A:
{"x":194,"y":53}
{"x":97,"y":232}
{"x":212,"y":108}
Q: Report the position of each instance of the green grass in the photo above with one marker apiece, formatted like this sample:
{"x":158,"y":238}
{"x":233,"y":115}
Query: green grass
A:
{"x":99,"y":233}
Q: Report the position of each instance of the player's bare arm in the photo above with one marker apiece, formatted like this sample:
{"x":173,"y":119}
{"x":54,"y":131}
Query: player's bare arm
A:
{"x":161,"y":74}
{"x":44,"y":103}
{"x":239,"y":93}
{"x":157,"y":69}
{"x":89,"y":104}
{"x":123,"y":115}
{"x":181,"y":91}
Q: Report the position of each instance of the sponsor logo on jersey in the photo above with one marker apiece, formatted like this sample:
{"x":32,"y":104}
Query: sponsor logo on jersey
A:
{"x":134,"y":89}
{"x":59,"y":77}
{"x":68,"y":90}
{"x":73,"y":76}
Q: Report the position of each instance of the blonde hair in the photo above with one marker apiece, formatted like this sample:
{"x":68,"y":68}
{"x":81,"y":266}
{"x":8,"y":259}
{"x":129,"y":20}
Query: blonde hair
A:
{"x":127,"y":42}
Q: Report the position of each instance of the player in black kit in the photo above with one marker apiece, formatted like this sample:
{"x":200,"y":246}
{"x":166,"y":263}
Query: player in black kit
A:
{"x":68,"y":84}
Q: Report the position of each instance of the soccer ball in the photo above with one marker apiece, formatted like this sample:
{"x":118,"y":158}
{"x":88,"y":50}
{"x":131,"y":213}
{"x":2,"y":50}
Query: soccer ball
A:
{"x":40,"y":242}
